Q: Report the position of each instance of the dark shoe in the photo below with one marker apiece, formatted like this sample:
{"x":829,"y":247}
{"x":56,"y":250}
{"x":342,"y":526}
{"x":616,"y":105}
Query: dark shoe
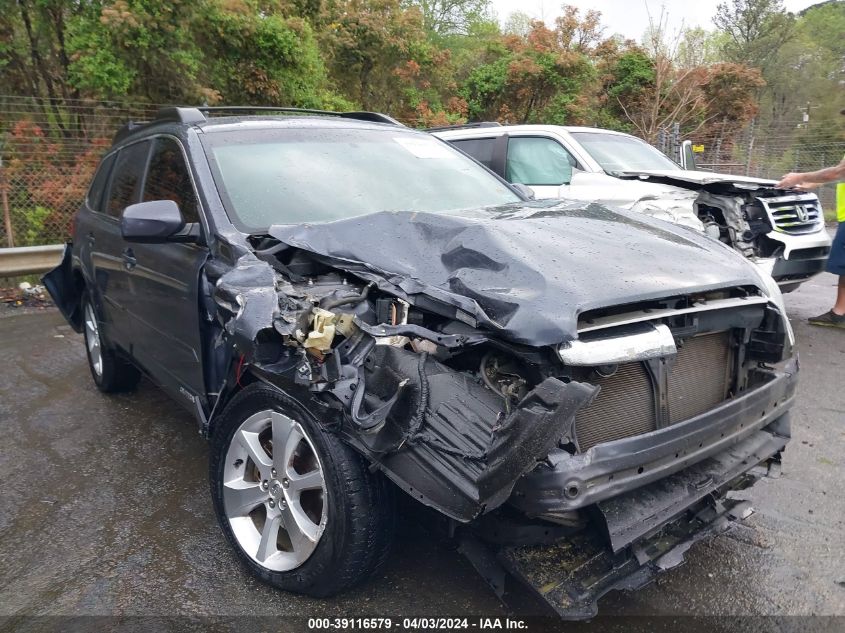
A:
{"x":829,"y":319}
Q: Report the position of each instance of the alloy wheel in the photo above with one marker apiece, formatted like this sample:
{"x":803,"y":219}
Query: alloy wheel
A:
{"x":92,"y":340}
{"x":274,"y":491}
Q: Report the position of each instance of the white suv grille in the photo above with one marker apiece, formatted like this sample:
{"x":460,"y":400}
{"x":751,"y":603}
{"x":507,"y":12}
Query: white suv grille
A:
{"x":794,"y":215}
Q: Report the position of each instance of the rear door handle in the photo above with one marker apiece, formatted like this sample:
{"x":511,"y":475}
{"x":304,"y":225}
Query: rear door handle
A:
{"x":129,"y":261}
{"x":90,"y":238}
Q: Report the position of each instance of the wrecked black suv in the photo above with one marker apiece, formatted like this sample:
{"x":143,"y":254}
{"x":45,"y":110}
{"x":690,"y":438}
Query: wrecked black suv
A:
{"x":350,"y":307}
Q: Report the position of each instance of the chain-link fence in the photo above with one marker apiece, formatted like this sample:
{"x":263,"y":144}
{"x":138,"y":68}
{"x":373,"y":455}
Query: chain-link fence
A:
{"x":48,"y":153}
{"x":763,"y":153}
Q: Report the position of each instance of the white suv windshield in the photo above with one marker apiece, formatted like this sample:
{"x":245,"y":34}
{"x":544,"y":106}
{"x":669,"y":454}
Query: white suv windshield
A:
{"x":617,"y":153}
{"x":294,"y":175}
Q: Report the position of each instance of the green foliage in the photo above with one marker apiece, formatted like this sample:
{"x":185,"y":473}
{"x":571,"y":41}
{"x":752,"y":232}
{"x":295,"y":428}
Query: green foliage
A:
{"x":633,"y":72}
{"x":423,"y":61}
{"x":484,"y":86}
{"x":97,"y":71}
{"x":445,"y":17}
{"x":755,"y":30}
{"x":31,"y":226}
{"x":261,"y":59}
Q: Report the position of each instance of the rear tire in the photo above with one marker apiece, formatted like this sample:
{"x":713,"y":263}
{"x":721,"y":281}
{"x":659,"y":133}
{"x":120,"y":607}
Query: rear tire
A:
{"x":110,"y":372}
{"x":340,"y":534}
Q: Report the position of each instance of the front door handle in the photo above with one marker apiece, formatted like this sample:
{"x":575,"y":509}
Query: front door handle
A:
{"x":129,"y":261}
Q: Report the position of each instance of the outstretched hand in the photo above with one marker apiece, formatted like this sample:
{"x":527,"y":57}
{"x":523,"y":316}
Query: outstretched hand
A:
{"x":793,"y":181}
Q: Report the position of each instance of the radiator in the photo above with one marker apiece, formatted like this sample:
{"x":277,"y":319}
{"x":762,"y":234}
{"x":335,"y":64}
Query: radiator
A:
{"x":699,"y":380}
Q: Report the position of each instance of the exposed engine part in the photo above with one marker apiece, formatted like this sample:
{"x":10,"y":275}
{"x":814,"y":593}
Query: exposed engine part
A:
{"x":711,"y":227}
{"x":501,"y":374}
{"x":340,"y":301}
{"x":323,"y":330}
{"x":738,"y":221}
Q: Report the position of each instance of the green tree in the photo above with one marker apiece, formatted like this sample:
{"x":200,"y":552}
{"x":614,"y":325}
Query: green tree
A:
{"x":541,"y":77}
{"x":445,"y":17}
{"x":258,"y":57}
{"x":755,"y":30}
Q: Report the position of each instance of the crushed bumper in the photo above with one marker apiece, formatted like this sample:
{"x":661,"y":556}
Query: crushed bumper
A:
{"x":570,"y":482}
{"x":801,"y":266}
{"x":635,"y":536}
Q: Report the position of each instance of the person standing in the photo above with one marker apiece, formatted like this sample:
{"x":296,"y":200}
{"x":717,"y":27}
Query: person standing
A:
{"x":835,"y":317}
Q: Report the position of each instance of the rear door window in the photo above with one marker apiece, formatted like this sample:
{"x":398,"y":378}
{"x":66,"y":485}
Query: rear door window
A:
{"x":127,"y":177}
{"x":96,"y":192}
{"x":168,"y":178}
{"x":481,"y":149}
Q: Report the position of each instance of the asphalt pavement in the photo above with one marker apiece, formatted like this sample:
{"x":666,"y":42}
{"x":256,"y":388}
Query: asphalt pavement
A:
{"x":105,"y":508}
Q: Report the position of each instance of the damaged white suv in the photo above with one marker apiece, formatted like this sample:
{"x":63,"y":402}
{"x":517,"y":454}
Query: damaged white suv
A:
{"x":573,"y":390}
{"x":783,"y":232}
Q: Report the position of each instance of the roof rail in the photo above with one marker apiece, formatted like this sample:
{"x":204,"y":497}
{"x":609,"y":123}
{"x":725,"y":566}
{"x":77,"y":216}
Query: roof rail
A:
{"x":463,"y":126}
{"x":198,"y":114}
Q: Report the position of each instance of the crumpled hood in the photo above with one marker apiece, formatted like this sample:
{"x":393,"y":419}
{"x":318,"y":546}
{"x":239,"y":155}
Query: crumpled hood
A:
{"x":690,"y":179}
{"x":525,"y":271}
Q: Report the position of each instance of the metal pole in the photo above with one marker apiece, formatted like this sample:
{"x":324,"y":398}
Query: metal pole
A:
{"x":750,"y":147}
{"x":676,"y":142}
{"x":7,"y":216}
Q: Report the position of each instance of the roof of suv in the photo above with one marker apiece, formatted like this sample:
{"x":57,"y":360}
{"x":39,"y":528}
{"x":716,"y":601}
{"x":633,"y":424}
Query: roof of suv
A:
{"x":495,"y":130}
{"x":244,"y":116}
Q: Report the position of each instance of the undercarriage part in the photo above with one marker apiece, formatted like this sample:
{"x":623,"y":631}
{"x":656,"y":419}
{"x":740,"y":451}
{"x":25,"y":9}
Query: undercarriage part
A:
{"x":448,"y":441}
{"x":571,"y":575}
{"x":630,"y":538}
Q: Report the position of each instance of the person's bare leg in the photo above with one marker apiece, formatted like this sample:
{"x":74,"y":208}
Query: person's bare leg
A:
{"x":839,"y":307}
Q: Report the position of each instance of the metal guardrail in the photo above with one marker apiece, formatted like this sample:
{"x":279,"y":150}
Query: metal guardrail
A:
{"x":29,"y":260}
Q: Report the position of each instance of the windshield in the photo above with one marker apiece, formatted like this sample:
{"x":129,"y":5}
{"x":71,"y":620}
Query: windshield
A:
{"x":616,"y":153}
{"x":295,"y":175}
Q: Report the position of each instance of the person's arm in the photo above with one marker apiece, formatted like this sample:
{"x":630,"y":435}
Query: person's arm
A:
{"x":830,"y":174}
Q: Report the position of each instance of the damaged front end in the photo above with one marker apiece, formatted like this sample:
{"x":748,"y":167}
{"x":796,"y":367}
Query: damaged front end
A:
{"x":579,"y":436}
{"x":409,"y":397}
{"x":781,"y":231}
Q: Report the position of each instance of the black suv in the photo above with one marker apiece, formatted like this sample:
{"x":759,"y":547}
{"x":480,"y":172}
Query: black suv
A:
{"x":350,"y":308}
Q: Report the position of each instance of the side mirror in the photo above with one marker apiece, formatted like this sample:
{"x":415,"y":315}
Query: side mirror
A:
{"x":525,"y":190}
{"x":154,"y":221}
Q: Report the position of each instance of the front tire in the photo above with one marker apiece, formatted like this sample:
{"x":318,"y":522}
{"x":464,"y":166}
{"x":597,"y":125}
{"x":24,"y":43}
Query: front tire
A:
{"x":300,"y":508}
{"x":110,"y":372}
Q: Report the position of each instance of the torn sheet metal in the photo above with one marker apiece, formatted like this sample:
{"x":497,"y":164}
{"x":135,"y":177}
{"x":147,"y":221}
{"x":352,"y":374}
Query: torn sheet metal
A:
{"x":455,"y":445}
{"x":526,"y":272}
{"x":248,"y":293}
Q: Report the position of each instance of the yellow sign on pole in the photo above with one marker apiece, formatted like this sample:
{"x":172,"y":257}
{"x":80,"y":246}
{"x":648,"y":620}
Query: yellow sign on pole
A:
{"x":698,"y":149}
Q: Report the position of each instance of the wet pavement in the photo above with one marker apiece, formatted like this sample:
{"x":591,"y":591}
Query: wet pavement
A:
{"x":105,"y":508}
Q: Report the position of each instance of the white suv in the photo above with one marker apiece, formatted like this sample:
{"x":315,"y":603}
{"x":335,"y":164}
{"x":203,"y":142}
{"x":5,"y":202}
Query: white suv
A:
{"x":782,"y":231}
